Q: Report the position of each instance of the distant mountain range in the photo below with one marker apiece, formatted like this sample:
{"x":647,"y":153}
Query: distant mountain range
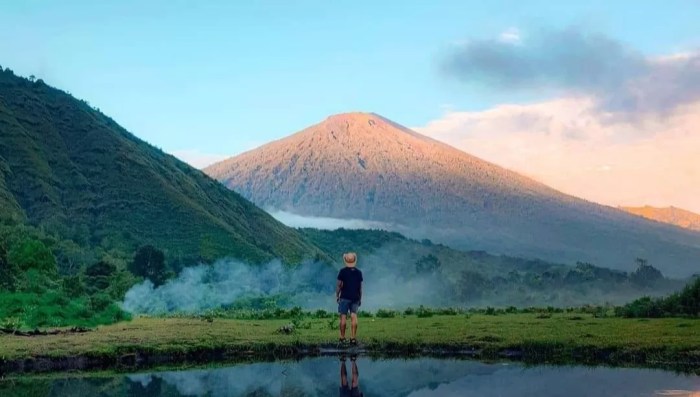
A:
{"x":363,"y":166}
{"x":674,"y":216}
{"x":73,"y":172}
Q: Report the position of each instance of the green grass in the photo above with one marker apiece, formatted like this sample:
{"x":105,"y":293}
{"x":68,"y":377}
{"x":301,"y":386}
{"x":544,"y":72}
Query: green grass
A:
{"x":563,"y":337}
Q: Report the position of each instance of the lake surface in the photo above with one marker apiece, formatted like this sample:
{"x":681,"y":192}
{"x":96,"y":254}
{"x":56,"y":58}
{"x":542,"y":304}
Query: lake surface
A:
{"x":329,"y":376}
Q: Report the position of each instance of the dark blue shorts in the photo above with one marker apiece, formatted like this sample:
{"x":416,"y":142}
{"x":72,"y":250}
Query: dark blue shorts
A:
{"x":346,"y":305}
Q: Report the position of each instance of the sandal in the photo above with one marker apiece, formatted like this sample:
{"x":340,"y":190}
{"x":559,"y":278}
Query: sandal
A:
{"x":342,"y":341}
{"x":353,"y":342}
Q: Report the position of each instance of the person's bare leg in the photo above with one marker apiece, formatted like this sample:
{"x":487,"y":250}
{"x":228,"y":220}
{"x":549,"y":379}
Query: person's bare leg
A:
{"x":343,"y":374}
{"x":355,"y":375}
{"x":343,"y":325}
{"x":353,"y":329}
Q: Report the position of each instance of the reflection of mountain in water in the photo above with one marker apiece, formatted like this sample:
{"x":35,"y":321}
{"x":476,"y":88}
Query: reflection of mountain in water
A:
{"x":415,"y":378}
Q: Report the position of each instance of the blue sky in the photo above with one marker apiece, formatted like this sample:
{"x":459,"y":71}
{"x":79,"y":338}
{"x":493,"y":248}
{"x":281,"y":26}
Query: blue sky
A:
{"x":224,"y":76}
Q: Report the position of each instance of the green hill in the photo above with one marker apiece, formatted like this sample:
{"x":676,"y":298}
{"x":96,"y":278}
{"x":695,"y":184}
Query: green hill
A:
{"x":73,"y":172}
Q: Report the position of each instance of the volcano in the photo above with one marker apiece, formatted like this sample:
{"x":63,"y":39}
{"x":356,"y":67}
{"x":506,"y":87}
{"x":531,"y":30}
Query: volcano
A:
{"x":364,"y":166}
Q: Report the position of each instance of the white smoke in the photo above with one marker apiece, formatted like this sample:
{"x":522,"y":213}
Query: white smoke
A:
{"x":310,"y":285}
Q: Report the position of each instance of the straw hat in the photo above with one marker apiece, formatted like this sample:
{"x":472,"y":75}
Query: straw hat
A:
{"x":350,"y":259}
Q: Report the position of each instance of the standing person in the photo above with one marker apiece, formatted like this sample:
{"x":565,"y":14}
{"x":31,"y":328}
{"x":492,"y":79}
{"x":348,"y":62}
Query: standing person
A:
{"x":348,"y":294}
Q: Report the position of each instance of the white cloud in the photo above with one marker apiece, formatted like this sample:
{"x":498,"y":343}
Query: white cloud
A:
{"x":510,"y":36}
{"x":197,"y":158}
{"x":296,"y":220}
{"x":574,"y":146}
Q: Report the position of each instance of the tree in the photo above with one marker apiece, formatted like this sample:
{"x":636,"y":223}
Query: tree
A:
{"x":98,"y":276}
{"x":646,"y":275}
{"x":149,"y":263}
{"x":428,"y":264}
{"x":8,"y":272}
{"x":472,"y":285}
{"x":32,"y":254}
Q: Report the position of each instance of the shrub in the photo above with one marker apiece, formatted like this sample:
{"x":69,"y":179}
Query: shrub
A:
{"x":383,"y":313}
{"x":685,"y":303}
{"x":320,"y":313}
{"x":424,"y":312}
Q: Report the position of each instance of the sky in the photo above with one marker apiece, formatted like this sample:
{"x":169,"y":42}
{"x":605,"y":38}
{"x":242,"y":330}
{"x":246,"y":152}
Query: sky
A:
{"x":596,"y":98}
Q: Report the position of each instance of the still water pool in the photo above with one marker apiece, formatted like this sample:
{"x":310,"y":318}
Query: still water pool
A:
{"x":328,"y":376}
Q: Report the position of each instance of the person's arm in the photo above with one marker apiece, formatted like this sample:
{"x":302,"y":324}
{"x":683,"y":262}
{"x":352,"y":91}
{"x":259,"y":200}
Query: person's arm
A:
{"x":338,"y":286}
{"x":362,"y":279}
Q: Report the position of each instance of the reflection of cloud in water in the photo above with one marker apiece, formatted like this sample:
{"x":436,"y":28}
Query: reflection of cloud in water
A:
{"x":563,"y":381}
{"x":423,"y":378}
{"x":678,"y":393}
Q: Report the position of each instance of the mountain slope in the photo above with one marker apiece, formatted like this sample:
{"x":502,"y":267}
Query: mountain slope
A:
{"x":72,"y":171}
{"x":672,"y":215}
{"x":363,"y":166}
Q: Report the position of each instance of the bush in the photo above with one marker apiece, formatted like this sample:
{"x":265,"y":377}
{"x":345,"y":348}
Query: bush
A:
{"x":424,"y":312}
{"x":682,"y":304}
{"x":54,"y":309}
{"x":383,"y":313}
{"x":448,"y":311}
{"x":320,"y":313}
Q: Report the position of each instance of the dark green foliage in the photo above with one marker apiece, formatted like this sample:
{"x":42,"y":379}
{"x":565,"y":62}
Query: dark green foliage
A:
{"x":383,"y":313}
{"x":428,"y":264}
{"x":149,"y":263}
{"x":54,"y":309}
{"x":98,"y":276}
{"x":77,"y":175}
{"x":685,"y":303}
{"x":424,"y":312}
{"x":473,"y":285}
{"x":337,"y":242}
{"x":8,"y":271}
{"x":33,"y":255}
{"x":645,"y":275}
{"x":33,"y":294}
{"x":585,"y":272}
{"x":73,"y":286}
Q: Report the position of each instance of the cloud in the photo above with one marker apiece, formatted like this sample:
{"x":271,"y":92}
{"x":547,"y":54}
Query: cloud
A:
{"x":510,"y":35}
{"x":197,"y":158}
{"x":295,"y":220}
{"x":619,"y":78}
{"x":573,"y":146}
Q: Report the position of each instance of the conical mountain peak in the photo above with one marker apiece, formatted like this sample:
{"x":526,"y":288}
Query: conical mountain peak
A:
{"x":365,"y":166}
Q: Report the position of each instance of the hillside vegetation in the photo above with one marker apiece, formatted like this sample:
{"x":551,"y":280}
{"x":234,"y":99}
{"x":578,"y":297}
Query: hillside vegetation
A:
{"x":75,"y":174}
{"x":437,"y":275}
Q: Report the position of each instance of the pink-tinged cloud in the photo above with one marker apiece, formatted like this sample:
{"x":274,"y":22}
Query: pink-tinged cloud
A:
{"x":573,"y":145}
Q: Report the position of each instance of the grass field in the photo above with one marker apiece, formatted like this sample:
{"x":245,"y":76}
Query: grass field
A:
{"x":563,"y":337}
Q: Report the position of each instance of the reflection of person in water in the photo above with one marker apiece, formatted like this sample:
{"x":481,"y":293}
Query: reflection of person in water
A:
{"x":353,"y":389}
